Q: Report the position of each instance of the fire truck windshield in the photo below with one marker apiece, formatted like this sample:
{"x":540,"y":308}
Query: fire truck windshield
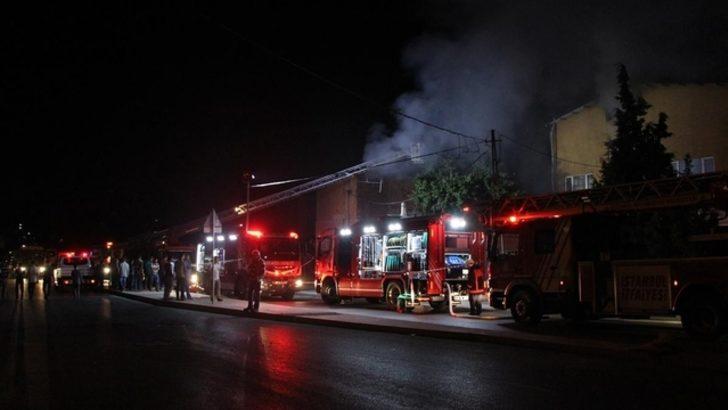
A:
{"x":279,"y":249}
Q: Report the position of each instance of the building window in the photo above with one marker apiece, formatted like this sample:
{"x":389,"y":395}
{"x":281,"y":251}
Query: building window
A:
{"x":579,"y":182}
{"x":708,"y":164}
{"x":676,"y":166}
{"x":697,"y":166}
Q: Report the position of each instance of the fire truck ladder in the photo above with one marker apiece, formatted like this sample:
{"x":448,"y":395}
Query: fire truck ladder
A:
{"x":643,"y":195}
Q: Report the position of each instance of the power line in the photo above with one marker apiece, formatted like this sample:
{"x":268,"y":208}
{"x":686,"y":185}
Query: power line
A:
{"x":374,"y":103}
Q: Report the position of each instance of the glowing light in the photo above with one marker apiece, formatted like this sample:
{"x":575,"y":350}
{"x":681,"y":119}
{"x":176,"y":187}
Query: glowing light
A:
{"x":457,"y":223}
{"x":42,"y":269}
{"x":370,"y":229}
{"x":109,"y":245}
{"x":107,"y":270}
{"x":23,"y":269}
{"x":194,"y":279}
{"x":395,"y":226}
{"x":513,"y":219}
{"x":220,"y":238}
{"x":299,"y":283}
{"x":466,"y":209}
{"x":84,"y":255}
{"x":233,"y":237}
{"x":345,"y":232}
{"x":293,"y":235}
{"x":257,"y":234}
{"x":209,"y":239}
{"x":561,"y":283}
{"x":674,"y":283}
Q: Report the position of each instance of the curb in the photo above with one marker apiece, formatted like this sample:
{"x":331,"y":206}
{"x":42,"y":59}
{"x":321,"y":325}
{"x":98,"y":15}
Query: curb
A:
{"x":631,"y":352}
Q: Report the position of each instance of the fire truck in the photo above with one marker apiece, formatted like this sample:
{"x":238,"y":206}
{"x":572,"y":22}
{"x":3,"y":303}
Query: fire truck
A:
{"x":647,"y":248}
{"x":282,"y":255}
{"x":407,"y":262}
{"x":82,"y":261}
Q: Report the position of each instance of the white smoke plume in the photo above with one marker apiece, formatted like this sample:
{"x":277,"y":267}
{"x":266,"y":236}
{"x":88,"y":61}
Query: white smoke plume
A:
{"x":514,"y":66}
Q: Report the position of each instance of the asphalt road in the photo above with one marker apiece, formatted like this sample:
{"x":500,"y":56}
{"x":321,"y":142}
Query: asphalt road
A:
{"x":108,"y":352}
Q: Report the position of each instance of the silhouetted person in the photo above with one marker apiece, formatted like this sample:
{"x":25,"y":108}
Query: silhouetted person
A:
{"x":167,"y":275}
{"x":19,"y":276}
{"x":156,"y":282}
{"x":123,"y":274}
{"x":216,"y":291}
{"x":48,"y":280}
{"x":188,"y":274}
{"x":33,"y":278}
{"x":256,"y":270}
{"x":148,"y":276}
{"x":76,"y":278}
{"x":4,"y":273}
{"x":179,"y":274}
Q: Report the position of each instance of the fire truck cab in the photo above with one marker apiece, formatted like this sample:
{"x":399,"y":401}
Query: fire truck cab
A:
{"x":282,"y":255}
{"x":405,"y":262}
{"x":613,"y":257}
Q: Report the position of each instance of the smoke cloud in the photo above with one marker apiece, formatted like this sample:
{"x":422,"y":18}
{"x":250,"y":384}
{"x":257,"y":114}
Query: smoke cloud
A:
{"x":515,"y":66}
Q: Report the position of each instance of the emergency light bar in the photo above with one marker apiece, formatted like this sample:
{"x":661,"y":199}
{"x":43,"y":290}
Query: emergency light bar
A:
{"x":395,"y":226}
{"x":257,"y":234}
{"x":345,"y":232}
{"x":457,"y":223}
{"x":370,"y":229}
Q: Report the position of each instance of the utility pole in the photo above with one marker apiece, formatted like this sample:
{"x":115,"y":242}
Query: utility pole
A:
{"x":493,"y":155}
{"x":248,"y":177}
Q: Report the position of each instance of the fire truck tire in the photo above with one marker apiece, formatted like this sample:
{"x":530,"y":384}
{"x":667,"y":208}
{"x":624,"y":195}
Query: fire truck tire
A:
{"x":525,"y":307}
{"x":394,"y":289}
{"x":704,"y":318}
{"x":328,"y":293}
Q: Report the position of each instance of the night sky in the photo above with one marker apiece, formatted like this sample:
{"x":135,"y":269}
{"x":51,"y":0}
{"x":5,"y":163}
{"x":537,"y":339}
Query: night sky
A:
{"x":123,"y":118}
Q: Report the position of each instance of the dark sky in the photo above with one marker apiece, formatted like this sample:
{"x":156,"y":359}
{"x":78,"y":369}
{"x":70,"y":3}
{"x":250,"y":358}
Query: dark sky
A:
{"x":122,"y":118}
{"x":123,"y":115}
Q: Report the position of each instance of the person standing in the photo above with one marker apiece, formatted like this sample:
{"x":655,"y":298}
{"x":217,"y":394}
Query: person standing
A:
{"x":167,"y":276}
{"x":19,"y":278}
{"x":155,"y":275}
{"x":123,"y":274}
{"x":179,"y":274}
{"x":4,"y":273}
{"x":148,"y":274}
{"x":188,"y":274}
{"x":76,"y":278}
{"x":48,"y":280}
{"x":256,"y":270}
{"x":33,"y":277}
{"x":216,"y":291}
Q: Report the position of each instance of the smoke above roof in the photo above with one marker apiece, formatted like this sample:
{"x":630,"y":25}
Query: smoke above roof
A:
{"x":514,"y":66}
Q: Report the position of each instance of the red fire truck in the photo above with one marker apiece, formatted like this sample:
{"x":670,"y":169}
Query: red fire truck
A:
{"x":616,"y":251}
{"x":428,"y":259}
{"x":282,"y":255}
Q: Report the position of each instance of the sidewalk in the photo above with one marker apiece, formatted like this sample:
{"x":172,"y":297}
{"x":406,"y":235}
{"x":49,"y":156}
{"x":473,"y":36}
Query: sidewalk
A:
{"x":615,"y":336}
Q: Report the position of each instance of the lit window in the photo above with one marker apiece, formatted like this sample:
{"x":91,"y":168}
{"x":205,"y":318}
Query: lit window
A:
{"x":579,"y":182}
{"x":569,"y":184}
{"x":708,"y":164}
{"x":676,"y":166}
{"x":589,"y":181}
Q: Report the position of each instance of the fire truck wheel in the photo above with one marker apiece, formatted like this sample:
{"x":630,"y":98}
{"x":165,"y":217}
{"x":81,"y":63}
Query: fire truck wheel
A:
{"x":328,"y":293}
{"x":525,"y":307}
{"x":394,"y":289}
{"x":704,"y":317}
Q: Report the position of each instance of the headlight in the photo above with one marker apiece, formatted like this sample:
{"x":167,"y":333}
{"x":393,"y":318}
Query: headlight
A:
{"x":194,"y":279}
{"x":23,"y":269}
{"x":299,"y":283}
{"x":42,"y":269}
{"x":107,"y":270}
{"x":466,"y":271}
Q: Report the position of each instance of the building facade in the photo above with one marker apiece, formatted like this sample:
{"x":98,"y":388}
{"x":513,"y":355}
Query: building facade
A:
{"x":697,"y":118}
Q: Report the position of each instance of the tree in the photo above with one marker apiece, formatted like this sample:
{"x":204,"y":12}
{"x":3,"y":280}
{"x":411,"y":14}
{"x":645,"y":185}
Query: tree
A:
{"x":445,"y":188}
{"x":636,"y":153}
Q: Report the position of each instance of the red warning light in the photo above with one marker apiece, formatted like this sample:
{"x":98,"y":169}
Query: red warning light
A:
{"x":293,"y":235}
{"x":466,"y":209}
{"x":513,"y":219}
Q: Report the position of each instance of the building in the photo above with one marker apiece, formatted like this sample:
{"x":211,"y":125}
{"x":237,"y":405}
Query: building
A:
{"x":697,"y":119}
{"x":367,"y":196}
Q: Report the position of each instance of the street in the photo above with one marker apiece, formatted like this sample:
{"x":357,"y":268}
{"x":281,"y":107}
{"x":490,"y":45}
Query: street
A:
{"x":106,"y":351}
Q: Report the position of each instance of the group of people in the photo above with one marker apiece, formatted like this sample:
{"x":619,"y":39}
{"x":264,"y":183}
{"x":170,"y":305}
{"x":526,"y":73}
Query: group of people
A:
{"x":150,"y":274}
{"x":33,"y":275}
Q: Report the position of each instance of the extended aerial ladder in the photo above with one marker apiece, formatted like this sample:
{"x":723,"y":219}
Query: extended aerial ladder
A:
{"x":644,"y":195}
